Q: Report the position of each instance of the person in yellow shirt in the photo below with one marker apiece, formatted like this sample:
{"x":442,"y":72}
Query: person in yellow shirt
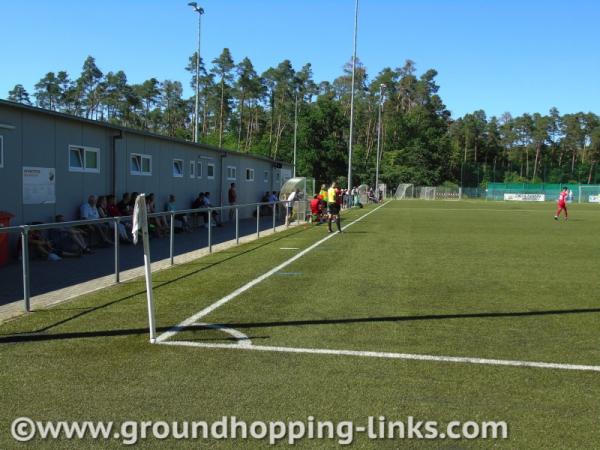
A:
{"x":333,"y":208}
{"x":323,"y":193}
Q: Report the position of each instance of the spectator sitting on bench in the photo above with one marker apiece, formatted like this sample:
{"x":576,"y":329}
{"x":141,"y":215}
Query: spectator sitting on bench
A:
{"x":215,"y":214}
{"x":124,"y":205}
{"x":104,"y":212}
{"x":265,"y":210}
{"x":198,"y":203}
{"x":39,"y":246}
{"x":113,"y":211}
{"x":88,"y":211}
{"x":158,"y":224}
{"x":132,"y":198}
{"x":68,"y":239}
{"x":181,"y":218}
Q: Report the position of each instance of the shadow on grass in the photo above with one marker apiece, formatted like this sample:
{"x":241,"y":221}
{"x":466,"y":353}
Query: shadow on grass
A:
{"x":157,"y":285}
{"x":41,"y":335}
{"x":483,"y":315}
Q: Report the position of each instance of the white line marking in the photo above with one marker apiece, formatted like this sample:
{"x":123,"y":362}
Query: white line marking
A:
{"x":403,"y":356}
{"x":483,"y":209}
{"x":173,"y":331}
{"x":243,"y":340}
{"x":289,"y":248}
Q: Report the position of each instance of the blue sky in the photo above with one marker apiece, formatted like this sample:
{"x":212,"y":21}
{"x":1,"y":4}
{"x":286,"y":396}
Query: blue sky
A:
{"x":515,"y":56}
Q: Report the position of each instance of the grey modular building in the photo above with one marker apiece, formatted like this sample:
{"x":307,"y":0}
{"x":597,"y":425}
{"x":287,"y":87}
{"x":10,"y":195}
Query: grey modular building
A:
{"x":51,"y":162}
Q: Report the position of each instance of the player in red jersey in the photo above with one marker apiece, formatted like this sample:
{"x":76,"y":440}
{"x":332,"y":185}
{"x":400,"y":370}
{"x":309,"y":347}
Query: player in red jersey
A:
{"x":562,"y":203}
{"x":315,"y":210}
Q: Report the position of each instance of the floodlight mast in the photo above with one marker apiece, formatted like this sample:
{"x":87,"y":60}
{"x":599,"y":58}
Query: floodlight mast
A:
{"x":200,"y":12}
{"x":378,"y":157}
{"x":352,"y":99}
{"x":295,"y":131}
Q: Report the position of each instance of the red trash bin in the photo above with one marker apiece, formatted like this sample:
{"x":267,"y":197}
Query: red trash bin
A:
{"x":4,"y":222}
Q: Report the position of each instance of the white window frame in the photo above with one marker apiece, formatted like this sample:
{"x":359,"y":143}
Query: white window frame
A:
{"x":199,"y":167}
{"x":177,"y":162}
{"x":249,"y":171}
{"x":208,"y":176}
{"x":266,"y":176}
{"x":1,"y":151}
{"x":84,"y":150}
{"x":233,"y":169}
{"x":192,"y":168}
{"x":141,"y":157}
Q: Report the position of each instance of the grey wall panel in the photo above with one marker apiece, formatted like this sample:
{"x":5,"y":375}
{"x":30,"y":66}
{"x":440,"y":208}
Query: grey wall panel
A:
{"x":42,"y":139}
{"x":11,"y":173}
{"x":134,"y":144}
{"x":121,"y":166}
{"x":38,"y":151}
{"x":98,"y":184}
{"x":69,"y":185}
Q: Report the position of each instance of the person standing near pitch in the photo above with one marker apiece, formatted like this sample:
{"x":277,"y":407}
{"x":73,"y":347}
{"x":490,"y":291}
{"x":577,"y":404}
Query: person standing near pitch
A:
{"x":562,"y":203}
{"x":332,"y":208}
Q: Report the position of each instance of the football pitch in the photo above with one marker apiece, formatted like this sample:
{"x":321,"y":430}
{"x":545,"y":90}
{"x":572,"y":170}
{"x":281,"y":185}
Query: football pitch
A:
{"x":441,"y":311}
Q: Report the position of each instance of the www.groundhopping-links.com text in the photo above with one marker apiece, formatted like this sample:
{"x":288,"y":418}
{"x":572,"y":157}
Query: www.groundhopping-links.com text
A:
{"x":24,"y":429}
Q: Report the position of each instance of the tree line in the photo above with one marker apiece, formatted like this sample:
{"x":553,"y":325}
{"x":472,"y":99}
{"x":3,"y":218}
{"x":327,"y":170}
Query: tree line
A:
{"x":421,"y":143}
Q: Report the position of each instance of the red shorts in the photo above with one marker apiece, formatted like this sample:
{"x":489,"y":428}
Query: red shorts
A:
{"x":562,"y":205}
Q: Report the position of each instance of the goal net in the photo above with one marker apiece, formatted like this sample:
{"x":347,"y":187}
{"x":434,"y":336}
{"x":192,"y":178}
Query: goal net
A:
{"x":587,"y":194}
{"x":404,"y":191}
{"x":426,"y":192}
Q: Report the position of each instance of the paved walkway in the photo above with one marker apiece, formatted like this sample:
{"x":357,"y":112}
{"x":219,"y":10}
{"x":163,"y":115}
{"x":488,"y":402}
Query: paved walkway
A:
{"x":53,"y":282}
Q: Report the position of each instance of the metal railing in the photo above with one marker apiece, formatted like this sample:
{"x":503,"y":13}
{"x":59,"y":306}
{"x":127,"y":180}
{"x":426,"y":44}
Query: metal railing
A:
{"x":24,"y":231}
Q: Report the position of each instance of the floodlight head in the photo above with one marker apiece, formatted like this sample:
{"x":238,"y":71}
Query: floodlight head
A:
{"x":196,"y":8}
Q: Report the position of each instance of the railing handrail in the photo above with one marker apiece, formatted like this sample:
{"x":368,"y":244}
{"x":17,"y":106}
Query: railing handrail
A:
{"x":77,"y":223}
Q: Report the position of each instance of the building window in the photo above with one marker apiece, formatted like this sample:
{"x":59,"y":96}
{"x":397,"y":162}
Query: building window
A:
{"x":249,"y":174}
{"x":178,"y":168}
{"x":266,"y":176}
{"x":192,"y":169}
{"x":84,"y":159}
{"x":199,"y":169}
{"x":231,"y":173}
{"x":1,"y":151}
{"x":210,"y":171}
{"x":140,"y":164}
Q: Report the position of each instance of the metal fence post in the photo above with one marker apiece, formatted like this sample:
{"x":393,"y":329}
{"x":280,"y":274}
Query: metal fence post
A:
{"x":237,"y":225}
{"x":116,"y":238}
{"x":209,"y":230}
{"x":274,"y":212}
{"x":25,"y":258}
{"x":172,"y":238}
{"x":257,"y":221}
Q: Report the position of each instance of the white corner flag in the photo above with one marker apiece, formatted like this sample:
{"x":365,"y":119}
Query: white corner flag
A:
{"x":140,"y":223}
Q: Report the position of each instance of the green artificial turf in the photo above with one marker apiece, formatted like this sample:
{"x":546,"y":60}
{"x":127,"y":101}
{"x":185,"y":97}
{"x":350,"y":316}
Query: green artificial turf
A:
{"x":474,"y":279}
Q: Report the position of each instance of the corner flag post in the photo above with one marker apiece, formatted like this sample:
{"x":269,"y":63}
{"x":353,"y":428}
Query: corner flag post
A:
{"x":140,"y":223}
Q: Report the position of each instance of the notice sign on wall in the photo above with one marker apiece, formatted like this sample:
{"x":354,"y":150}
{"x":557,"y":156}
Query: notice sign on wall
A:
{"x":525,"y":197}
{"x":39,"y":185}
{"x":594,"y":198}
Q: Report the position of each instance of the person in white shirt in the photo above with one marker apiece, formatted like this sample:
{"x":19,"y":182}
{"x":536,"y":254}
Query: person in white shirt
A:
{"x":88,"y":211}
{"x":290,"y":205}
